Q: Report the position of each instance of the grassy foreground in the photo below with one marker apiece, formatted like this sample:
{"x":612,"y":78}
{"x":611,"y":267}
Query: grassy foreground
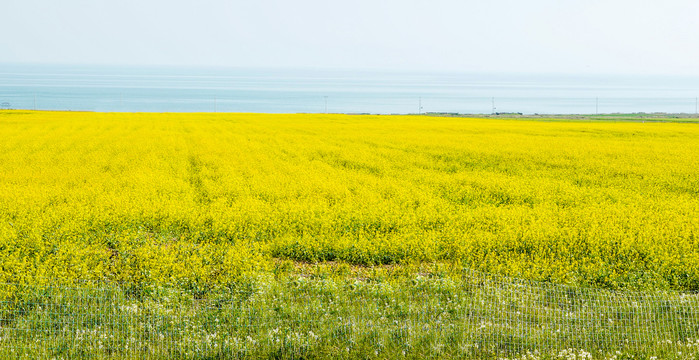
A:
{"x":350,"y":236}
{"x":321,"y":316}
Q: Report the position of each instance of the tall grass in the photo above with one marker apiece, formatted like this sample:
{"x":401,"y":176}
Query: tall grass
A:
{"x":474,"y":316}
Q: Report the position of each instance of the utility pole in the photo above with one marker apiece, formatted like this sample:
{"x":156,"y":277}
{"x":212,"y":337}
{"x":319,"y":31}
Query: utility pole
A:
{"x":326,"y":103}
{"x":492,"y":100}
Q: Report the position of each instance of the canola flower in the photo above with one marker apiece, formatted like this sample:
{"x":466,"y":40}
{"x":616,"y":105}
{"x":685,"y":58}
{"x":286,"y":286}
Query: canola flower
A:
{"x":201,"y":200}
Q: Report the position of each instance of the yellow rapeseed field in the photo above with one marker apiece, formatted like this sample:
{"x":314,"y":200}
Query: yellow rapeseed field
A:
{"x":206,"y":198}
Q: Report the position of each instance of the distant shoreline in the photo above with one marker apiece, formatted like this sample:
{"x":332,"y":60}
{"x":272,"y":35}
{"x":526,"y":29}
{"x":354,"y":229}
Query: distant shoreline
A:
{"x":613,"y":117}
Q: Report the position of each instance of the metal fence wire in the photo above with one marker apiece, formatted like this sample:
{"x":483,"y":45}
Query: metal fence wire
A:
{"x":478,"y":316}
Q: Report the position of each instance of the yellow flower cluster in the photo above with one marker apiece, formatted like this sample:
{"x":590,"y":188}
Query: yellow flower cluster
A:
{"x":168,"y":198}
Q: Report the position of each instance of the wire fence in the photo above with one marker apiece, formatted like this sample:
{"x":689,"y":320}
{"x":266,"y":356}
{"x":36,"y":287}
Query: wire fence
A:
{"x":477,"y":316}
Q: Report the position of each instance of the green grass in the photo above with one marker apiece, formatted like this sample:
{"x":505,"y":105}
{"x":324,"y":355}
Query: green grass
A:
{"x":322,"y":314}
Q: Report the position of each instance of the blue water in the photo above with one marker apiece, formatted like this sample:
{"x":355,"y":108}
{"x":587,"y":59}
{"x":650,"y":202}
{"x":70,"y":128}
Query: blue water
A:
{"x":169,"y":89}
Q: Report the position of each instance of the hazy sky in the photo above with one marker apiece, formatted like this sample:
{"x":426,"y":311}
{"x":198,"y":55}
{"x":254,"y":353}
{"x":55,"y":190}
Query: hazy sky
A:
{"x":564,"y":36}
